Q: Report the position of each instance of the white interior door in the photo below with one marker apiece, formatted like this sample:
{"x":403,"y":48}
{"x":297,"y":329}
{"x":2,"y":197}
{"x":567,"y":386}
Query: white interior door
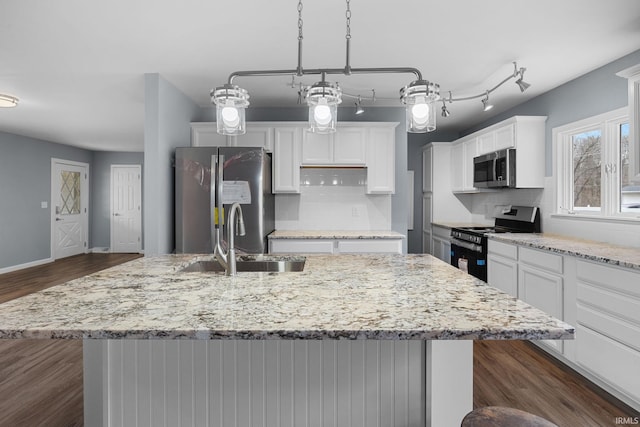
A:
{"x":70,"y":208}
{"x":126,"y":202}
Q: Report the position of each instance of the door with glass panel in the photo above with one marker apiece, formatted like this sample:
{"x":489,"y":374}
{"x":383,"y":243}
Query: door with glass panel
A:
{"x":69,"y":200}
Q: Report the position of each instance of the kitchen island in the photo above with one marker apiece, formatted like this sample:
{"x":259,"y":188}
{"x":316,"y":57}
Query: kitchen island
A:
{"x":352,"y":339}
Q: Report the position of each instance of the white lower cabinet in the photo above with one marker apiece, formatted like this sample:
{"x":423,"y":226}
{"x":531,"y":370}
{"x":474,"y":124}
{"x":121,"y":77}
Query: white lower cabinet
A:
{"x":608,"y":325}
{"x":602,"y":302}
{"x":541,"y":284}
{"x":502,"y":267}
{"x":441,"y":243}
{"x":334,"y":246}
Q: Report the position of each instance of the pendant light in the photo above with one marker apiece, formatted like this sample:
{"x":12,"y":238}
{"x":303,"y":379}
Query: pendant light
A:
{"x":323,"y":99}
{"x":231,"y":102}
{"x":419,"y":97}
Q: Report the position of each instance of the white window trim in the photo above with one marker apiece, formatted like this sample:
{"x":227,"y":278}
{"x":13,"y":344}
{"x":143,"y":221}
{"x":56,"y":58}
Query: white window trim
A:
{"x":609,"y":123}
{"x":632,"y":74}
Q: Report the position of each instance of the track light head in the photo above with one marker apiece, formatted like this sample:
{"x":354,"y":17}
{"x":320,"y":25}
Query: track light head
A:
{"x":359,"y":109}
{"x":522,"y":84}
{"x":485,"y":103}
{"x":445,"y":112}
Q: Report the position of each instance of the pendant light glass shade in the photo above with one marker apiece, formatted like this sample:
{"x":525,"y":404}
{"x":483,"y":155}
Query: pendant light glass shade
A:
{"x":420,"y":97}
{"x":231,"y":103}
{"x":323,"y":99}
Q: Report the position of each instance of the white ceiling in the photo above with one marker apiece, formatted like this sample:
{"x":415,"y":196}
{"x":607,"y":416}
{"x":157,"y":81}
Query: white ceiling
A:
{"x":78,"y":65}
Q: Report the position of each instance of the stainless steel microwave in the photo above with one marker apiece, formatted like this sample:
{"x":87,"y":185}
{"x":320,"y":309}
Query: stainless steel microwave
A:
{"x":495,"y":170}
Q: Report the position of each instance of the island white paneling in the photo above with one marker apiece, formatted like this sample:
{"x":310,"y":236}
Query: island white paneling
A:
{"x":264,"y":383}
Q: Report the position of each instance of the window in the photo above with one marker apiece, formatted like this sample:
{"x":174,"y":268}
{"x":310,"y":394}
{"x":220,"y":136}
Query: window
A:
{"x":592,"y":161}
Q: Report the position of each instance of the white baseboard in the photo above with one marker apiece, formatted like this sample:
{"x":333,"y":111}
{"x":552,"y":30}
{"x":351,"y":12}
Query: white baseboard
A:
{"x":99,"y":250}
{"x":25,"y":265}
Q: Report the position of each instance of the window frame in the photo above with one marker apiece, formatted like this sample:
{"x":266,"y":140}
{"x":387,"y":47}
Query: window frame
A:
{"x":609,"y":124}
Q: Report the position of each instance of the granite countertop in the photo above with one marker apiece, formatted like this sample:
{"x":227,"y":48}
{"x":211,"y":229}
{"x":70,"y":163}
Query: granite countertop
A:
{"x":335,"y":297}
{"x":595,"y":251}
{"x":335,"y":234}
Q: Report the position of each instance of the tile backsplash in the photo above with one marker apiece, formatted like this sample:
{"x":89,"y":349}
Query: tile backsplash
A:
{"x":333,"y":199}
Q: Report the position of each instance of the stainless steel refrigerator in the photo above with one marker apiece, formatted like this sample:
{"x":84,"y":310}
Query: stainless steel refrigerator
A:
{"x":246,"y":179}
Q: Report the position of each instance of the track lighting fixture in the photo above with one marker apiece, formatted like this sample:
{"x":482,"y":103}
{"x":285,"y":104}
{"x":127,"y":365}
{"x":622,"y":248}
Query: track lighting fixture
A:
{"x":323,"y":97}
{"x":8,"y":101}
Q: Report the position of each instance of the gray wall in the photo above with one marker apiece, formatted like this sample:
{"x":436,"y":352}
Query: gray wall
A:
{"x":400,"y":200}
{"x":25,"y":174}
{"x":168,"y":113}
{"x":101,"y":193}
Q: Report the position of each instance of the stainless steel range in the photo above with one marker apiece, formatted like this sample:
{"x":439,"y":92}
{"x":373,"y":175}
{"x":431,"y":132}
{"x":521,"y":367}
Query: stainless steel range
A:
{"x":469,"y":244}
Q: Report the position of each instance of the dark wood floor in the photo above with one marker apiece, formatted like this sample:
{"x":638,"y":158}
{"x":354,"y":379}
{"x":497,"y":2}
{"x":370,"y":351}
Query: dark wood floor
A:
{"x":41,"y":380}
{"x":519,"y":375}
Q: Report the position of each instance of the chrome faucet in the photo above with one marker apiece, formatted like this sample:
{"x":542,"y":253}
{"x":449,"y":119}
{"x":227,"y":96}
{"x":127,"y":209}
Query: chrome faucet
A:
{"x":234,"y":226}
{"x":228,"y":259}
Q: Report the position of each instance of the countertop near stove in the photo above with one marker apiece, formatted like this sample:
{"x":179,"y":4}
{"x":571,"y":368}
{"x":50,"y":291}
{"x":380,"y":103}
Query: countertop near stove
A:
{"x":622,"y":256}
{"x":335,"y":297}
{"x":451,"y":225}
{"x":335,"y":234}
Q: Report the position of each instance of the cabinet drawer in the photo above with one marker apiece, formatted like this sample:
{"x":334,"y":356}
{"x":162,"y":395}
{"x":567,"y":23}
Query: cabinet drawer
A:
{"x":370,"y":246}
{"x":541,"y":259}
{"x":614,"y":278}
{"x":442,"y":232}
{"x":613,"y":362}
{"x":603,"y":299}
{"x":301,"y":246}
{"x":610,"y":325}
{"x":503,"y":249}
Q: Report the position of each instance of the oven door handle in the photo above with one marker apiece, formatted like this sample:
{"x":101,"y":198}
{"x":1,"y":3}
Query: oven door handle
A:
{"x":467,"y":245}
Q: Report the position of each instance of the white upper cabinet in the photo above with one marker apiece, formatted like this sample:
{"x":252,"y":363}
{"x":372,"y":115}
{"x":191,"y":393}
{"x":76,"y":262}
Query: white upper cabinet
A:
{"x":344,"y":147}
{"x":504,"y":137}
{"x":486,"y":143}
{"x":462,"y":154}
{"x":317,"y":148}
{"x":204,"y":134}
{"x":349,"y":146}
{"x":256,"y":136}
{"x":381,"y":158}
{"x":286,"y":160}
{"x":524,"y":133}
{"x":457,"y":167}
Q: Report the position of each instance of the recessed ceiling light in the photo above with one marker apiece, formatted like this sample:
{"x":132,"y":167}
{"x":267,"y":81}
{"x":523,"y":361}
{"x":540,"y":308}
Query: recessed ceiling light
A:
{"x":8,"y":101}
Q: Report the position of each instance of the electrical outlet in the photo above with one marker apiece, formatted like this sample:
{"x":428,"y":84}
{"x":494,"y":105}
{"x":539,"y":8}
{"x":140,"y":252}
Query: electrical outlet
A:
{"x":355,"y":212}
{"x":44,"y":205}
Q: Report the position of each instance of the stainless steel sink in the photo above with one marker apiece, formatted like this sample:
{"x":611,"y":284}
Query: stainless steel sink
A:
{"x":255,"y":263}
